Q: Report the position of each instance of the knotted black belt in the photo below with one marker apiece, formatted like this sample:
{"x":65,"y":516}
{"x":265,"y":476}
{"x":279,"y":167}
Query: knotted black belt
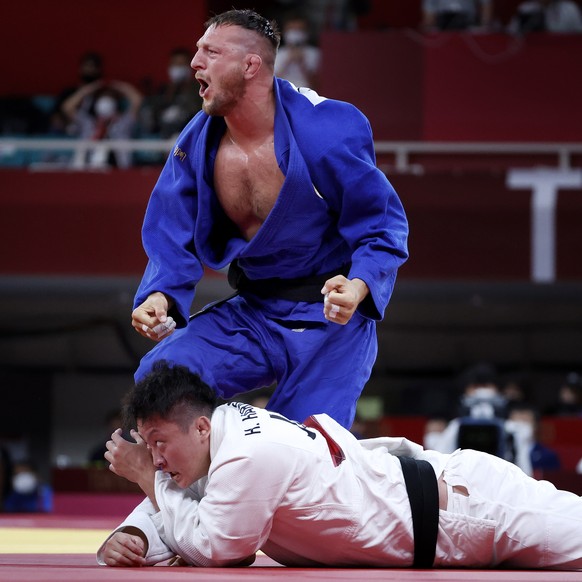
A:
{"x":299,"y":289}
{"x":423,"y":493}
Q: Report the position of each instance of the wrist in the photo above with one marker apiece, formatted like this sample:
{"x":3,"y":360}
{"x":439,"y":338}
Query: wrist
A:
{"x":147,"y":483}
{"x":362,"y":289}
{"x":161,"y":295}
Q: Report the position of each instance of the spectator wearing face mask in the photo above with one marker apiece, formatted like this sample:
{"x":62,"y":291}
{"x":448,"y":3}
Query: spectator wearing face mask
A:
{"x":90,"y":69}
{"x":482,"y":422}
{"x":167,"y":112}
{"x":298,"y":60}
{"x":28,"y":493}
{"x":112,"y":116}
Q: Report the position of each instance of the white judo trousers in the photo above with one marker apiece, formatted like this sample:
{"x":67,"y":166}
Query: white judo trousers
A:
{"x":532,"y":524}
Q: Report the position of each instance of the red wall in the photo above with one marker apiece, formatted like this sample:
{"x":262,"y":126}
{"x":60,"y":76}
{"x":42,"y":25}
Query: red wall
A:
{"x":382,"y":74}
{"x":496,"y":88}
{"x":41,"y":42}
{"x":458,"y":86}
{"x":76,"y":223}
{"x":467,"y":226}
{"x":412,"y":87}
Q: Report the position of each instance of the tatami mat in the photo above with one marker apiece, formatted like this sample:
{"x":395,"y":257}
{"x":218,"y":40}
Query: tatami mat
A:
{"x":50,"y":548}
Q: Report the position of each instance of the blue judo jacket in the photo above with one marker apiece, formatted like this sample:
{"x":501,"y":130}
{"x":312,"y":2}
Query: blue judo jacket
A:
{"x":335,"y":207}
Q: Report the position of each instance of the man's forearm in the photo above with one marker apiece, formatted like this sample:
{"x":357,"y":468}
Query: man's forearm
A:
{"x":148,"y":486}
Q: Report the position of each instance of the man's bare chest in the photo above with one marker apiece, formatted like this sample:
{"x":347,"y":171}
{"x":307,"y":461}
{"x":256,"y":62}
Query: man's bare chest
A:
{"x":247,"y":184}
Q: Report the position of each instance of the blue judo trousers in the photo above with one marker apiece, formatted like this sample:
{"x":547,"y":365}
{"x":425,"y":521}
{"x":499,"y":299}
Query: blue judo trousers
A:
{"x":336,"y":210}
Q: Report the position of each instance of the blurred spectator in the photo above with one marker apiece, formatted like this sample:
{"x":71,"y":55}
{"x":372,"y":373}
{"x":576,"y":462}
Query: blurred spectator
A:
{"x":276,"y":10}
{"x":481,"y":396}
{"x":298,"y":59}
{"x":562,"y":16}
{"x":28,"y":494}
{"x":90,"y":70}
{"x":529,"y":17}
{"x":515,"y":390}
{"x":541,"y":457}
{"x":111,"y":115}
{"x":482,"y":424}
{"x":270,"y":9}
{"x":167,"y":112}
{"x":569,"y":401}
{"x":335,"y":14}
{"x":434,"y":428}
{"x":456,"y":14}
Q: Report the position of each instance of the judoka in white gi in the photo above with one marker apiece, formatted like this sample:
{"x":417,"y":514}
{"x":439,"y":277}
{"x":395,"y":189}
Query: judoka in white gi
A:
{"x":226,"y":482}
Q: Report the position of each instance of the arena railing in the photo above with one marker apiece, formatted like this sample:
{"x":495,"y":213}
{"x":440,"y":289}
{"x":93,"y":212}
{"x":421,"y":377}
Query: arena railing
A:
{"x":45,"y":153}
{"x":399,"y":156}
{"x":412,"y":156}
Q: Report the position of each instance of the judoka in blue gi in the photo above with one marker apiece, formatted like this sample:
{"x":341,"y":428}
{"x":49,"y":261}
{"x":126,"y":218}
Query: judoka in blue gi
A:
{"x":282,"y":185}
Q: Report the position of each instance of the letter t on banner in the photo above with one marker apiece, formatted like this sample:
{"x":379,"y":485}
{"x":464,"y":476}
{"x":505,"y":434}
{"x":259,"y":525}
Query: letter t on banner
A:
{"x":544,"y":184}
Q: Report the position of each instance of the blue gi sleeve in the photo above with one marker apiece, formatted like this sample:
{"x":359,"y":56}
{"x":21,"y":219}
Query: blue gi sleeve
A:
{"x":168,"y":235}
{"x":371,"y":217}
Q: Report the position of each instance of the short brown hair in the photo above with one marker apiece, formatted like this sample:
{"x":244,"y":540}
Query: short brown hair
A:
{"x":250,"y":20}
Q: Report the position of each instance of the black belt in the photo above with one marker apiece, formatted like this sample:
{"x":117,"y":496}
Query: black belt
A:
{"x":423,"y":493}
{"x":299,"y":289}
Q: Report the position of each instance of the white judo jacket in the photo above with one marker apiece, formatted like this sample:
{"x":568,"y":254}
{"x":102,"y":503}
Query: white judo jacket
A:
{"x":307,"y":500}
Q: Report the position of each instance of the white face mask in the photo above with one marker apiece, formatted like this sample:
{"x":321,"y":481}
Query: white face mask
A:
{"x":179,"y":73}
{"x":24,"y":483}
{"x":105,"y":106}
{"x":295,"y":37}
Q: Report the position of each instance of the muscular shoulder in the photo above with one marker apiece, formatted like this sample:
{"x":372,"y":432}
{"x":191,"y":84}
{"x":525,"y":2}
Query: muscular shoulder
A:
{"x":318,"y":122}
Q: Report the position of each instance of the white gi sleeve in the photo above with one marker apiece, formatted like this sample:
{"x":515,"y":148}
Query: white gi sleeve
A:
{"x":393,"y":445}
{"x":233,"y":519}
{"x":145,"y":518}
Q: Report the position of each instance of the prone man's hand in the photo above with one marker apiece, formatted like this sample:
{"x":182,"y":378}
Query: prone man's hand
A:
{"x":132,"y":461}
{"x":125,"y":548}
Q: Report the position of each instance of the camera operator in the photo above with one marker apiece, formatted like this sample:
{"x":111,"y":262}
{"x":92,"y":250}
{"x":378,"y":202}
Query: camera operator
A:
{"x":482,"y":423}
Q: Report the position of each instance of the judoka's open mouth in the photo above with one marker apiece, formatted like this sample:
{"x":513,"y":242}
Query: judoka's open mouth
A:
{"x":203,"y":87}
